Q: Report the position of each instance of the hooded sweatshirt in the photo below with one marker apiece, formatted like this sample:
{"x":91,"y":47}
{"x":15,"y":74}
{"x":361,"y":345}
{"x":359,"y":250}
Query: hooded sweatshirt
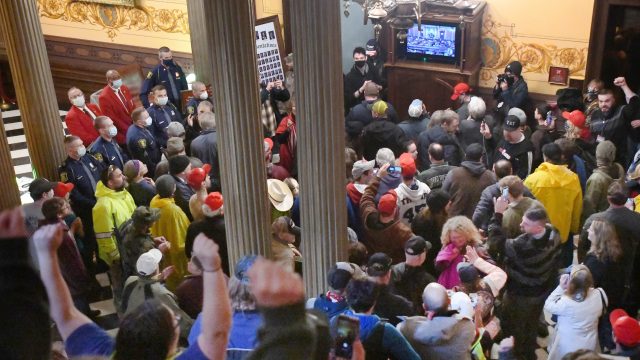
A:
{"x":111,"y":210}
{"x":558,"y":189}
{"x":172,"y":224}
{"x":382,"y":133}
{"x":441,"y":338}
{"x":411,"y":199}
{"x":465,"y":185}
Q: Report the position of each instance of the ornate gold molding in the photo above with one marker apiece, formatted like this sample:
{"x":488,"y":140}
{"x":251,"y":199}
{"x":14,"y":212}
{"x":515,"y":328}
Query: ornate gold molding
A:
{"x":498,"y":48}
{"x":113,"y":18}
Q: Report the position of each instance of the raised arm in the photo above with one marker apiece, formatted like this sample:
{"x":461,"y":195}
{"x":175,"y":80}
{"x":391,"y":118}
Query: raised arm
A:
{"x":216,"y":307}
{"x":67,"y":318}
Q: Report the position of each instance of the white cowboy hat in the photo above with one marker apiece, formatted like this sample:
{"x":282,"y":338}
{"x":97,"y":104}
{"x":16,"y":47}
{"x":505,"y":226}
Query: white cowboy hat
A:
{"x":279,"y":194}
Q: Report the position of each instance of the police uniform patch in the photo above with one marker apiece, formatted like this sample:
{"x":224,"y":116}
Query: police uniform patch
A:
{"x":190,"y":110}
{"x":63,"y":177}
{"x":142,"y":143}
{"x":149,"y":75}
{"x":98,"y":156}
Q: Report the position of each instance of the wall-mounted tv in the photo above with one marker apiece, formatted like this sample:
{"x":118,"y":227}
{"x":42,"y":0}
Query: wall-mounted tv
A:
{"x":435,"y":42}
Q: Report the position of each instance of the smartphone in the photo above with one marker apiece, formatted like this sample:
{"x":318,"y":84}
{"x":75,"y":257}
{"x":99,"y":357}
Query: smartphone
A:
{"x":347,"y":332}
{"x":549,"y":118}
{"x":505,"y":192}
{"x":393,"y":169}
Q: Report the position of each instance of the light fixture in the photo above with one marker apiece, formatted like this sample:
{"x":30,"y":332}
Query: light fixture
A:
{"x":400,"y":14}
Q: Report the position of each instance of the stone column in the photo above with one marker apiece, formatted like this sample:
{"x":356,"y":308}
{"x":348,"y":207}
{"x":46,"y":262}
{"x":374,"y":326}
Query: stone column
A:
{"x":22,"y":34}
{"x":10,"y":193}
{"x":319,"y":103}
{"x":200,"y":47}
{"x":230,"y":31}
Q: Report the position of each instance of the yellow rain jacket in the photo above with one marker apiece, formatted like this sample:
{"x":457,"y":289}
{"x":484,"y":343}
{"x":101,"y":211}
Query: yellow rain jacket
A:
{"x":558,"y":189}
{"x":111,"y":206}
{"x":172,"y":224}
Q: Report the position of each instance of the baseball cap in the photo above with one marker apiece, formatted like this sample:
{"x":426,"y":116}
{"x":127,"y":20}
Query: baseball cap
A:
{"x":62,"y":189}
{"x":514,"y":67}
{"x":340,"y":274}
{"x":372,"y":45}
{"x":242,"y":268}
{"x":145,"y":215}
{"x":147,"y":263}
{"x":198,"y":175}
{"x":387,"y":203}
{"x":379,"y":264}
{"x":415,"y":109}
{"x":285,"y":223}
{"x":371,"y":89}
{"x":408,"y":165}
{"x":269,"y":142}
{"x":416,"y":245}
{"x":38,"y":187}
{"x":625,"y":328}
{"x":576,"y":117}
{"x":519,"y":113}
{"x":380,"y":107}
{"x":467,"y":272}
{"x":459,"y":89}
{"x":213,"y":204}
{"x":361,"y":166}
{"x":511,"y":123}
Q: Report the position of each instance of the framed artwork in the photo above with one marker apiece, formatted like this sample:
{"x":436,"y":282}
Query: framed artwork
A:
{"x":558,"y":75}
{"x":269,"y":48}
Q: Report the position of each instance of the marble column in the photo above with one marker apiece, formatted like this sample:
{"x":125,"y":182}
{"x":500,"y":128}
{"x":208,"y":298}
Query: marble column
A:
{"x":315,"y":26}
{"x":200,"y":47}
{"x":22,"y":34}
{"x":10,"y":194}
{"x":230,"y":31}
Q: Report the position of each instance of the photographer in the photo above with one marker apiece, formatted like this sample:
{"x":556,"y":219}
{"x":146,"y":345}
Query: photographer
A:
{"x":510,"y":88}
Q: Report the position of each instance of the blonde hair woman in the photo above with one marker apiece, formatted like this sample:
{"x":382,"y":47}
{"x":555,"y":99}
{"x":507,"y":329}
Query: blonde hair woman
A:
{"x":457,"y":233}
{"x":578,"y":307}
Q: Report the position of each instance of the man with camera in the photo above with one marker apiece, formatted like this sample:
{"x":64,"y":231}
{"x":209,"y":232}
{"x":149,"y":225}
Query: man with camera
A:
{"x":510,"y":88}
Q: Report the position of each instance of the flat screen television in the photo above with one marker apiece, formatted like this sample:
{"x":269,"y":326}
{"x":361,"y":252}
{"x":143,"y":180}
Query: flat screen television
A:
{"x":435,"y":42}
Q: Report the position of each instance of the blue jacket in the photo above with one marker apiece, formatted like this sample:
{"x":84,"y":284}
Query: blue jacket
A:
{"x":159,"y":75}
{"x":329,"y":307}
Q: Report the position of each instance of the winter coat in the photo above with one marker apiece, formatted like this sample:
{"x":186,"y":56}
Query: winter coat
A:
{"x":441,"y":338}
{"x":390,"y":306}
{"x":360,"y":116}
{"x":453,"y":152}
{"x":558,"y":189}
{"x":465,"y":185}
{"x":412,"y":127}
{"x":172,"y":224}
{"x":411,"y":199}
{"x":111,"y":210}
{"x":434,"y":176}
{"x":382,"y":133}
{"x":595,"y":196}
{"x":577,"y":326}
{"x":513,"y":216}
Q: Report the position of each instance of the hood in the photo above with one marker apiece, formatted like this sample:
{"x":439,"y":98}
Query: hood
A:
{"x":615,"y":171}
{"x":416,"y":194}
{"x":475,"y":167}
{"x":380,"y":129}
{"x":160,"y":203}
{"x":439,"y":330}
{"x":103,"y":191}
{"x":354,"y":193}
{"x":556,"y":175}
{"x":367,"y":322}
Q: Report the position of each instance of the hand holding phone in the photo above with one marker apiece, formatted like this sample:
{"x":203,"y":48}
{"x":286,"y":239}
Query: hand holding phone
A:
{"x":347,"y":332}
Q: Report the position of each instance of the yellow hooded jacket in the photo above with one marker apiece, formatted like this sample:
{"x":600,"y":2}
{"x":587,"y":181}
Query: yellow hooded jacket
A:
{"x":172,"y":224}
{"x":558,"y":189}
{"x":111,"y":204}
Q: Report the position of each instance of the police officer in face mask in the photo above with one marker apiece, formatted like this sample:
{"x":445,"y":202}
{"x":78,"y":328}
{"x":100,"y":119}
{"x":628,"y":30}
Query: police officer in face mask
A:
{"x":162,"y":113}
{"x":105,"y":148}
{"x":167,"y":73}
{"x":141,"y":143}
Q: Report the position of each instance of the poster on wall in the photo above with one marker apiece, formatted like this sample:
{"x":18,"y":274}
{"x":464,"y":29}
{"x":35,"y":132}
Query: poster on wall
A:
{"x":269,"y":50}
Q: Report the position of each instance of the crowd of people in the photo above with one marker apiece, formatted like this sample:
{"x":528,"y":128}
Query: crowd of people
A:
{"x":471,"y":231}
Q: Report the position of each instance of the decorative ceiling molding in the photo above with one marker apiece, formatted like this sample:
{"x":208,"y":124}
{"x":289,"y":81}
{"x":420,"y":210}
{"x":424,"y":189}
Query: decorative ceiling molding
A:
{"x":114,"y":18}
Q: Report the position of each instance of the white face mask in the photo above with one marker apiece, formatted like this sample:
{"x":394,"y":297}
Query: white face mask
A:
{"x":82,"y":151}
{"x":78,"y":101}
{"x":204,"y":95}
{"x":113,"y":131}
{"x":117,"y":83}
{"x":148,"y":121}
{"x":162,"y":100}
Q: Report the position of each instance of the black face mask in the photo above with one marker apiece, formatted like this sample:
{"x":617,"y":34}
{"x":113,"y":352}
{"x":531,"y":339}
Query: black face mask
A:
{"x":167,"y":62}
{"x":360,"y":63}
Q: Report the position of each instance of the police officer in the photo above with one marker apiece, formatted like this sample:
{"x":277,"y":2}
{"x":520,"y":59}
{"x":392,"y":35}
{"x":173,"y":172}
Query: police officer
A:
{"x":162,"y":113}
{"x":140,"y":142}
{"x":200,"y":94}
{"x":83,"y":171}
{"x":167,"y":73}
{"x":105,"y":148}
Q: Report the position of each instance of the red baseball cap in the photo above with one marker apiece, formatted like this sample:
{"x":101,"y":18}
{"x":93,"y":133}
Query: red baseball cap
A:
{"x":198,"y":175}
{"x":213,"y":204}
{"x":62,"y":189}
{"x":270,"y":142}
{"x":459,"y":89}
{"x":408,"y":165}
{"x":388,"y":203}
{"x":625,"y":328}
{"x":576,"y":117}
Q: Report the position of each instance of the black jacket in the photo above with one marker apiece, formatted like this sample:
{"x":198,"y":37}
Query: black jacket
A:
{"x":516,"y":96}
{"x":453,"y":152}
{"x":360,"y":116}
{"x":389,"y":306}
{"x":484,"y":210}
{"x":409,"y":282}
{"x":531,"y":264}
{"x":354,"y":81}
{"x":382,"y":133}
{"x":520,"y":155}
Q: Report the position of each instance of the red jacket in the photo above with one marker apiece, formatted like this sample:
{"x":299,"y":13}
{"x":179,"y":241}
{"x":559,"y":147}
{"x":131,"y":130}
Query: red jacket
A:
{"x":81,"y":124}
{"x":120,"y":113}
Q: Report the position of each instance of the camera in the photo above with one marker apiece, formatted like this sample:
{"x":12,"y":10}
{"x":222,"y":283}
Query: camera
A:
{"x":505,"y":78}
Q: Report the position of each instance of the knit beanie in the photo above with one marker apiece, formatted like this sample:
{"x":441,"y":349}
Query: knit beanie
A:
{"x":178,"y":164}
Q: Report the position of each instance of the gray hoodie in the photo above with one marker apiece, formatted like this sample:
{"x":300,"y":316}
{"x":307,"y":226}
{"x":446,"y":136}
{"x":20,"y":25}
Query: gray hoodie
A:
{"x":441,"y":338}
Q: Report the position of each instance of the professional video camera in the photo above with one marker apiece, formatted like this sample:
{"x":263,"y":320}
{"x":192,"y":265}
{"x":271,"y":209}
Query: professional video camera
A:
{"x":506,"y":78}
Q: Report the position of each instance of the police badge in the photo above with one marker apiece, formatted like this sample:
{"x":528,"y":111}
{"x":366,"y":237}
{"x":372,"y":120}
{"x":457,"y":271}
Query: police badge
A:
{"x":142,"y":143}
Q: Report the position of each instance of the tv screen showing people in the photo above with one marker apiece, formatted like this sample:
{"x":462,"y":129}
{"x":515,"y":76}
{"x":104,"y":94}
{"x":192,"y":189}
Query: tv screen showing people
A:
{"x":438,"y":40}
